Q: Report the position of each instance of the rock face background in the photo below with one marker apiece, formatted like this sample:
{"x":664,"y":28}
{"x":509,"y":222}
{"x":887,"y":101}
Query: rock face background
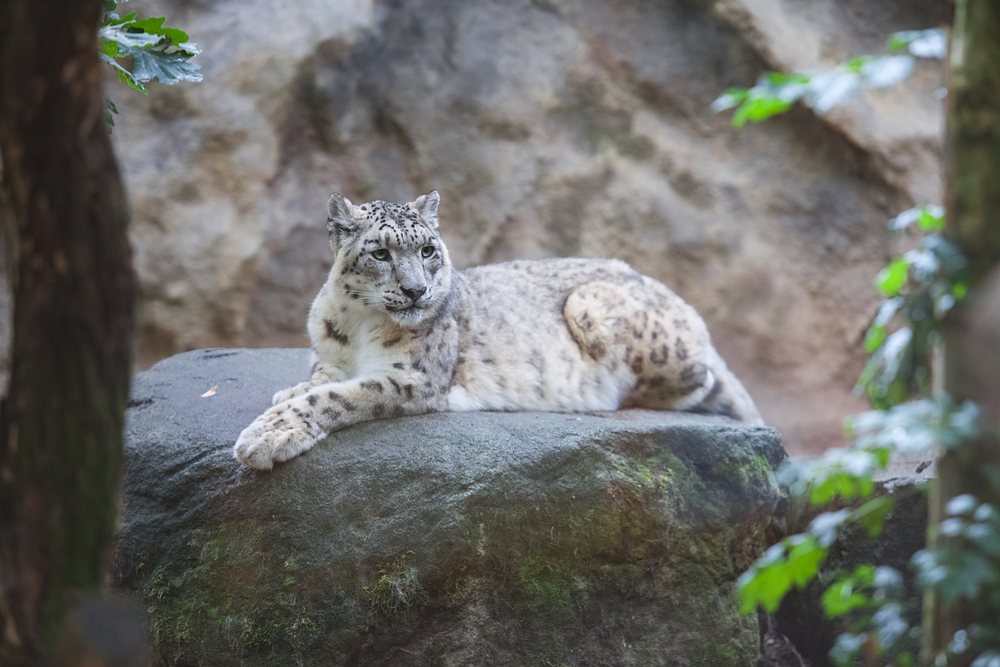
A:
{"x":446,"y":539}
{"x":550,"y":127}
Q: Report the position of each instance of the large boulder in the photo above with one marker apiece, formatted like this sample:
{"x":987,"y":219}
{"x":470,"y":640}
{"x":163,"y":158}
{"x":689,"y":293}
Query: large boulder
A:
{"x":551,"y":128}
{"x":444,"y":539}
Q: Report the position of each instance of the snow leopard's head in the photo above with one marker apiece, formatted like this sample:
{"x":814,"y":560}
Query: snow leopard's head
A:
{"x":390,"y":256}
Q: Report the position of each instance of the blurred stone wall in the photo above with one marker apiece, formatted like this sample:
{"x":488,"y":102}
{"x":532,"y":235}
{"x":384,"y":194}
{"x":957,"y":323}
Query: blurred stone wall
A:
{"x":550,"y":128}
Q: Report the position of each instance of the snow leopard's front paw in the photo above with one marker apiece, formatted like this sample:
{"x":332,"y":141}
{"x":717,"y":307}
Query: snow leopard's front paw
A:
{"x":291,"y":392}
{"x":277,"y":435}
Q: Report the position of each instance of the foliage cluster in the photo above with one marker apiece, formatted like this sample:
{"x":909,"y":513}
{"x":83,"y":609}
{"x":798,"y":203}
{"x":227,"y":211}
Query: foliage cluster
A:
{"x":776,"y":92}
{"x":157,"y":52}
{"x":910,"y":421}
{"x":920,"y":287}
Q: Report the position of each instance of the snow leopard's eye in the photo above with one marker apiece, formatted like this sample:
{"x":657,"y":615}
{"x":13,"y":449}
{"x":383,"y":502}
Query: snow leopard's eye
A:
{"x":427,"y":251}
{"x":381,"y":255}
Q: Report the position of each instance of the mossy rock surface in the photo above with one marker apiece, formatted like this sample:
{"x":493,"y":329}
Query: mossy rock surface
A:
{"x":447,"y":539}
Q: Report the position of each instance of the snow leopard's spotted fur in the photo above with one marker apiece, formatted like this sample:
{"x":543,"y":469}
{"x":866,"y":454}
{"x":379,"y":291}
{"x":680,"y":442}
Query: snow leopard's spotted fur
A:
{"x":397,"y":331}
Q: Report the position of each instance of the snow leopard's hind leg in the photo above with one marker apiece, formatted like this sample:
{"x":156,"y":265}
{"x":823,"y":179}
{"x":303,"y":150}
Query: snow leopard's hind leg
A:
{"x":645,"y":334}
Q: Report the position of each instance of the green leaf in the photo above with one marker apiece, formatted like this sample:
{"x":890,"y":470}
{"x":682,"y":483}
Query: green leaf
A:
{"x":825,"y":491}
{"x":888,"y":578}
{"x":154,"y":26}
{"x":840,"y":598}
{"x":844,"y":595}
{"x":123,"y":19}
{"x":793,"y":561}
{"x":872,"y":514}
{"x":824,"y":527}
{"x":915,"y":428}
{"x":931,"y":218}
{"x":889,"y":626}
{"x":758,"y":109}
{"x":986,"y":513}
{"x":126,"y":38}
{"x":109,"y":48}
{"x":951,"y":527}
{"x":882,"y":375}
{"x":874,"y":338}
{"x":898,"y":42}
{"x":854,"y":65}
{"x":877,"y":333}
{"x":904,"y":219}
{"x":883,"y":454}
{"x":966,"y":576}
{"x":759,"y":585}
{"x":169,"y":68}
{"x":961,"y":505}
{"x":930,"y":43}
{"x":767,"y":590}
{"x":124,"y":75}
{"x":886,"y":71}
{"x":109,"y":109}
{"x":892,"y":278}
{"x":830,"y":89}
{"x":841,"y":484}
{"x":730,"y":99}
{"x":782,"y":80}
{"x":846,"y":473}
{"x":804,"y":560}
{"x":924,"y":264}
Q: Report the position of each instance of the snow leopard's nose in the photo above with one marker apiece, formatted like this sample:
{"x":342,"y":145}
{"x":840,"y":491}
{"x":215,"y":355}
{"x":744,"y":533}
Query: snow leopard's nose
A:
{"x":413,"y":293}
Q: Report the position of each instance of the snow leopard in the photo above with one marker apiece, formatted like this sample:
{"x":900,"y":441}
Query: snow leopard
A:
{"x":396,"y":330}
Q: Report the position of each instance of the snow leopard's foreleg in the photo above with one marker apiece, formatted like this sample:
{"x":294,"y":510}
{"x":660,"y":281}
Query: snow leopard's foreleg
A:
{"x":292,"y":426}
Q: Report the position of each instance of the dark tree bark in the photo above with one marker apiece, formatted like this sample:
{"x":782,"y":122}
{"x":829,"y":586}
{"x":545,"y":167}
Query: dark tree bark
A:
{"x":74,"y":286}
{"x":971,"y":369}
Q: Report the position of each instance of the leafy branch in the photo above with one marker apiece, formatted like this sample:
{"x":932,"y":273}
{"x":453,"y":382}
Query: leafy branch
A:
{"x":157,"y":52}
{"x":775,"y":92}
{"x":919,"y":288}
{"x":912,"y":429}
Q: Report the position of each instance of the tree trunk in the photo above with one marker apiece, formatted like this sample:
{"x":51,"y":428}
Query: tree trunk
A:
{"x":74,"y":287}
{"x":971,"y":366}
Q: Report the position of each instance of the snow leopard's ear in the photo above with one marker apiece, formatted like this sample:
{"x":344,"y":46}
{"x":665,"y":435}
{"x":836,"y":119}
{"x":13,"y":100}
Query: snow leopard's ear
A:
{"x":341,"y":222}
{"x":426,"y":207}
